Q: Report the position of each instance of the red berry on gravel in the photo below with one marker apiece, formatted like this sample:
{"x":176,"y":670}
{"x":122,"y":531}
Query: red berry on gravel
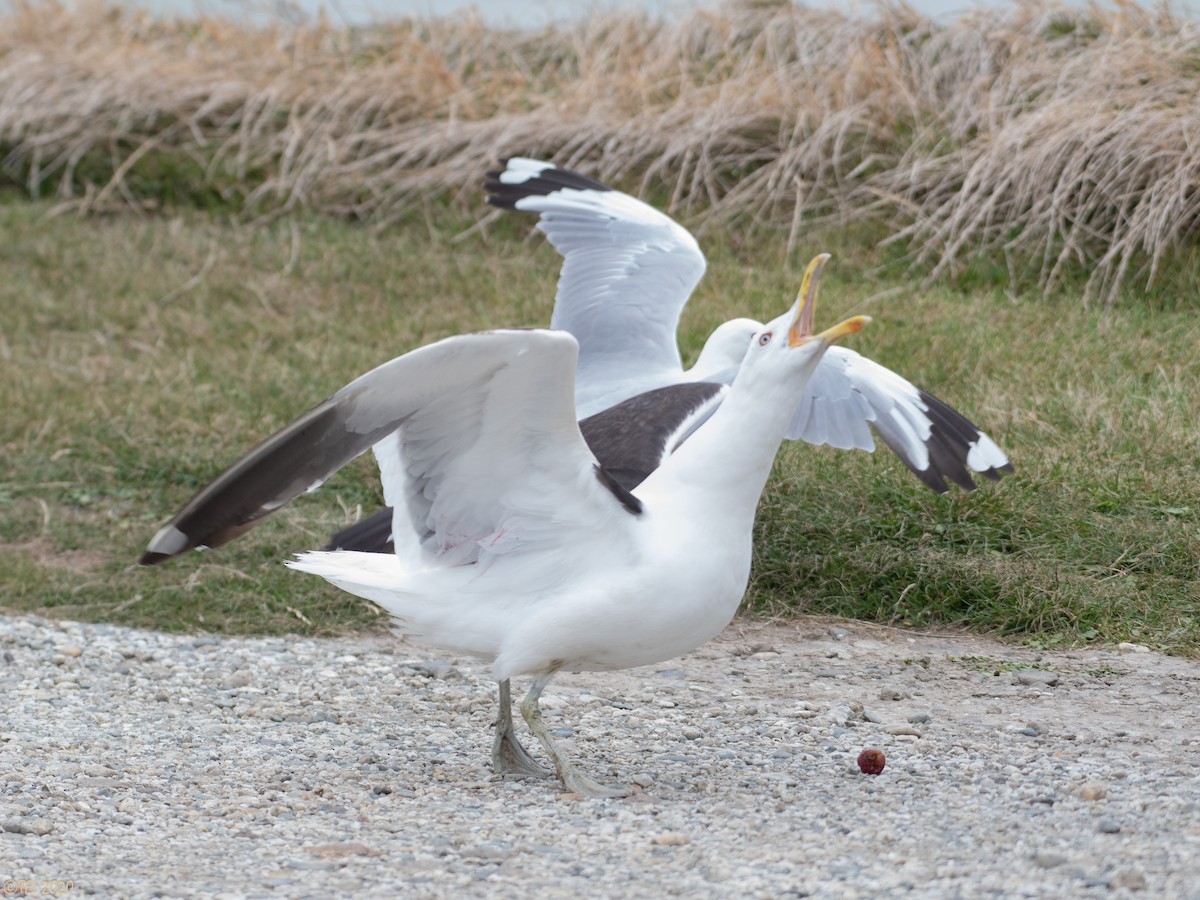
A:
{"x":871,"y":762}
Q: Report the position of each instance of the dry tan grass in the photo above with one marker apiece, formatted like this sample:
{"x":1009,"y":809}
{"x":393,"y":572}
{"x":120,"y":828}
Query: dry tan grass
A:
{"x":1058,"y":138}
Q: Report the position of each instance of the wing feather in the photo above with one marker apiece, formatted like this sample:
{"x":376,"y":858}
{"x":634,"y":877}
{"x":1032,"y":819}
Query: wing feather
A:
{"x":848,"y":392}
{"x":628,"y":270}
{"x":493,"y":436}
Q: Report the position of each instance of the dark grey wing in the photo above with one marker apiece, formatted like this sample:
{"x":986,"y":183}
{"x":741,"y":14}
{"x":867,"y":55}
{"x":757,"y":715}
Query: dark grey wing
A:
{"x":295,"y":459}
{"x":370,"y":535}
{"x":631,"y":439}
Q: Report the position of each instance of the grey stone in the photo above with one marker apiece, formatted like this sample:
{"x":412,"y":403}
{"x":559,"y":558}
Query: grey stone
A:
{"x":28,"y":825}
{"x":373,"y":775}
{"x":1036,"y":678}
{"x":1048,"y":859}
{"x":1128,"y":879}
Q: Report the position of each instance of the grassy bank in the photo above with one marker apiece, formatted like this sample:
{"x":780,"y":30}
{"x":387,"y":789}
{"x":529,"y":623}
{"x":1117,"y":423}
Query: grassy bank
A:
{"x":139,"y":356}
{"x":1034,"y":144}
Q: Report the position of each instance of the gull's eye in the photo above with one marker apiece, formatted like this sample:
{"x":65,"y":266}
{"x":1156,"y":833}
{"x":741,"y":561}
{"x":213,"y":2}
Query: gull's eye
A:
{"x":764,"y":339}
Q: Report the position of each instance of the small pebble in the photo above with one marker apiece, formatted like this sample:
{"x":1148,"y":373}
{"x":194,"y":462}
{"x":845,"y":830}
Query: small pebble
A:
{"x":1127,"y":879}
{"x":1108,"y":826}
{"x":1036,"y":678}
{"x":342,"y":849}
{"x":671,"y":839}
{"x":1048,"y":860}
{"x":1093,"y":791}
{"x":239,"y":679}
{"x":34,"y":826}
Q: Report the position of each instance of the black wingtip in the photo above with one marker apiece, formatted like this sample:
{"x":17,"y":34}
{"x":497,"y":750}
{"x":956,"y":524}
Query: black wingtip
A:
{"x":151,"y":558}
{"x":550,"y":179}
{"x":952,"y":438}
{"x":998,"y":472}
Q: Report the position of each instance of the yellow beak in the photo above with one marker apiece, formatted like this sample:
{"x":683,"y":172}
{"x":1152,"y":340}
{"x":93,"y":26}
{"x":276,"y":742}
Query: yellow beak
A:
{"x":801,"y":330}
{"x":806,"y":302}
{"x":852,"y":325}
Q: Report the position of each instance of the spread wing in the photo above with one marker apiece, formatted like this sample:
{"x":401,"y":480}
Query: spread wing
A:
{"x":630,"y":440}
{"x":628,"y":270}
{"x":849,"y":393}
{"x":490,"y":440}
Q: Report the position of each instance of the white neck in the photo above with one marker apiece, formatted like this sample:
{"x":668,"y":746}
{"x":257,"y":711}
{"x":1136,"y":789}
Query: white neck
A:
{"x":723,"y":468}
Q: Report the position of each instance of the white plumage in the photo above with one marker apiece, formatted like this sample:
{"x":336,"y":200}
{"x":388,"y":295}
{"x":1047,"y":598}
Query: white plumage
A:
{"x":512,"y":542}
{"x":516,"y":552}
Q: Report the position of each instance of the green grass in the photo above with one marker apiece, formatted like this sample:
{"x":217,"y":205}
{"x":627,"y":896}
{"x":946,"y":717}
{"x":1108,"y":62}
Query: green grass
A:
{"x":139,"y":356}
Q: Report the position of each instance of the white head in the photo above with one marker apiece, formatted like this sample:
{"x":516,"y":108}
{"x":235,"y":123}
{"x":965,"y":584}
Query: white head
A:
{"x":724,"y":349}
{"x":786,"y":347}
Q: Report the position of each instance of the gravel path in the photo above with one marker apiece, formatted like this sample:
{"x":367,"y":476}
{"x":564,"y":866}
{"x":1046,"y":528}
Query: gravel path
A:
{"x":139,"y":764}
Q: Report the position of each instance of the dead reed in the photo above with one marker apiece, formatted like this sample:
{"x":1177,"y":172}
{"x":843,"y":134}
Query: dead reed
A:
{"x":1059,"y":140}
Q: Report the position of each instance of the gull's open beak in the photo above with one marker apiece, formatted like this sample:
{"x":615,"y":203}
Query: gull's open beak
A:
{"x":806,"y":302}
{"x":801,"y":330}
{"x":852,"y":325}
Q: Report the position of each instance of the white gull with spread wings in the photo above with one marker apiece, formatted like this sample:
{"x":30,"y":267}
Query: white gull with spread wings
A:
{"x":517,"y":545}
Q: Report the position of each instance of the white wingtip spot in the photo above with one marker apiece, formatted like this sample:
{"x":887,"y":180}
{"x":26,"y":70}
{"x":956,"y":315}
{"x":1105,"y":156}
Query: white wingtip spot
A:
{"x":519,"y":169}
{"x":169,"y":541}
{"x":984,"y":455}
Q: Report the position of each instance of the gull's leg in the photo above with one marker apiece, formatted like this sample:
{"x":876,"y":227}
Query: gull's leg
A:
{"x":508,"y":756}
{"x":572,"y":778}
